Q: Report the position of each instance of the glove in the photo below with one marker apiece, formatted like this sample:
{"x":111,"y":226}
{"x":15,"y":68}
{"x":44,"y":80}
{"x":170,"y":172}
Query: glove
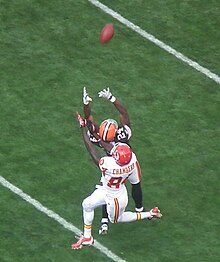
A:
{"x":106,"y":93}
{"x":86,"y":98}
{"x":90,"y":126}
{"x":155,"y":212}
{"x":82,"y":121}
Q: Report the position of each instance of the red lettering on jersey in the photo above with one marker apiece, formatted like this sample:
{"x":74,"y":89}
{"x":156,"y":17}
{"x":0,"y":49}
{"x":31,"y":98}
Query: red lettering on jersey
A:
{"x":124,"y":170}
{"x":101,"y":161}
{"x":114,"y":182}
{"x":103,"y":169}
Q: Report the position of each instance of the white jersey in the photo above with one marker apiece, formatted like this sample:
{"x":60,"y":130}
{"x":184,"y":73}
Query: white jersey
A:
{"x":114,"y":176}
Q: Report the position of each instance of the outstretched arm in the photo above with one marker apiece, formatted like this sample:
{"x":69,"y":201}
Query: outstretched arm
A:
{"x":91,"y":149}
{"x":123,"y":114}
{"x":107,"y":146}
{"x":86,"y":106}
{"x":87,"y":112}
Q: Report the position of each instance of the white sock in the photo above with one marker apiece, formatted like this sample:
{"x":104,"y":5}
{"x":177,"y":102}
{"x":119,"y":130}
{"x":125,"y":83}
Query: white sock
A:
{"x":104,"y":220}
{"x":88,"y":219}
{"x":133,"y":216}
{"x":87,"y":231}
{"x":139,"y":209}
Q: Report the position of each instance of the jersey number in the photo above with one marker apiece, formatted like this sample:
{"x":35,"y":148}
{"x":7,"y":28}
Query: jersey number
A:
{"x":121,"y":134}
{"x":114,"y":182}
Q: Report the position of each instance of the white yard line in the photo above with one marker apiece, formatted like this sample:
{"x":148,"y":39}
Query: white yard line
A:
{"x":58,"y":218}
{"x":156,"y":41}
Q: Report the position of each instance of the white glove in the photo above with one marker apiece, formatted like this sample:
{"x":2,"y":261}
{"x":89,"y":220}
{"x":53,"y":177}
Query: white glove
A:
{"x":106,"y":93}
{"x":86,"y":98}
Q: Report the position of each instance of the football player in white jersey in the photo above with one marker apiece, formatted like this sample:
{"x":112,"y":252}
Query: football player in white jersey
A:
{"x":113,"y":133}
{"x":115,"y":170}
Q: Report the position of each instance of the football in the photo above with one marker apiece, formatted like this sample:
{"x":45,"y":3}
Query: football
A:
{"x":107,"y":33}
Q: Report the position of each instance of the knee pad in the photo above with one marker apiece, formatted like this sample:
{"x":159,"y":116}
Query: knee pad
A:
{"x":86,"y":205}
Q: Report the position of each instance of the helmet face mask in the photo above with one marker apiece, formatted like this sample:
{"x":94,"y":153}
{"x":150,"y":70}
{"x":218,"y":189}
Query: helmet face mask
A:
{"x":108,"y":129}
{"x":122,"y":154}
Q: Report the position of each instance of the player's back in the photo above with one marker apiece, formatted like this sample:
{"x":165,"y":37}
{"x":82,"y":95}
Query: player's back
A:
{"x":114,"y":176}
{"x":123,"y":134}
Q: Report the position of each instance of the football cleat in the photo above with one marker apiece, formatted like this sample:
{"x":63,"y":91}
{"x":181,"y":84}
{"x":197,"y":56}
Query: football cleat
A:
{"x":155,"y":213}
{"x":83,"y":242}
{"x":103,"y":229}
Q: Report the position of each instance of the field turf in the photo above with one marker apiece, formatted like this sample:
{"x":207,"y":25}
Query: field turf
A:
{"x":49,"y":50}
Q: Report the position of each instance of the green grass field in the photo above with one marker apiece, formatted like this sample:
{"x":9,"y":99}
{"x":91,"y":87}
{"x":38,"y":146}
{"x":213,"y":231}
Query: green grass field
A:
{"x":49,"y":51}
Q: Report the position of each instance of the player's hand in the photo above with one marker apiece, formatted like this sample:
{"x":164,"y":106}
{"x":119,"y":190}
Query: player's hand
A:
{"x":106,"y":93}
{"x":91,"y":127}
{"x":86,"y":97}
{"x":82,"y":121}
{"x":155,"y":212}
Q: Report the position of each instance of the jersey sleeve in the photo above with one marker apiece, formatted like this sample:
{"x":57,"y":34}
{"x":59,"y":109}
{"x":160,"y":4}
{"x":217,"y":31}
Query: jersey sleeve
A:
{"x":103,"y":165}
{"x":93,"y":139}
{"x":135,"y":177}
{"x":128,"y":131}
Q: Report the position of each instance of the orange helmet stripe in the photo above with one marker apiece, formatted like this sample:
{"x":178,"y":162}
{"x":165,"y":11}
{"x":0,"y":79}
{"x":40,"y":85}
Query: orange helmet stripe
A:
{"x":110,"y":134}
{"x":107,"y":131}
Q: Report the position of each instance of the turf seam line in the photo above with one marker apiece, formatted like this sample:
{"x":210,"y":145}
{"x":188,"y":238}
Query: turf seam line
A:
{"x":156,"y":41}
{"x":57,"y":218}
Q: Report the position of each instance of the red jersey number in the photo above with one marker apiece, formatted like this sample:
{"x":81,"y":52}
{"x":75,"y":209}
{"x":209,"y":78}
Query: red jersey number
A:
{"x":114,"y":182}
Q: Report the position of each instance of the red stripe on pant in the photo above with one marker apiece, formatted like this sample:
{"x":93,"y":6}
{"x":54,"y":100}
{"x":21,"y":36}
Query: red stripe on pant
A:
{"x":116,"y":210}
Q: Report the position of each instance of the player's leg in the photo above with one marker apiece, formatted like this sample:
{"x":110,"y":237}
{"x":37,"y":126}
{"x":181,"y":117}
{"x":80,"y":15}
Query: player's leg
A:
{"x":116,"y":210}
{"x":116,"y":206}
{"x":96,"y":199}
{"x":129,"y":216}
{"x":135,"y":180}
{"x":89,"y":204}
{"x":103,"y":230}
{"x":137,"y":196}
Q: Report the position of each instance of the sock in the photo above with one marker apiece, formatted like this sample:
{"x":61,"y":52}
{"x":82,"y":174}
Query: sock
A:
{"x":139,"y":209}
{"x":88,"y":219}
{"x":145,"y":215}
{"x":137,"y":195}
{"x":87,"y":231}
{"x":104,"y":215}
{"x":133,"y":216}
{"x":104,"y":220}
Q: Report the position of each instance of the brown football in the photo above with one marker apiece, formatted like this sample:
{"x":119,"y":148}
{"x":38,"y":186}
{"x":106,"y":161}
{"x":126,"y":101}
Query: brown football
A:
{"x":107,"y":33}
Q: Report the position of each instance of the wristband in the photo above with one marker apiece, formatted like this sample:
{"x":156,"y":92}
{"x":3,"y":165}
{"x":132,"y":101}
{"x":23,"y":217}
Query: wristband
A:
{"x":112,"y":99}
